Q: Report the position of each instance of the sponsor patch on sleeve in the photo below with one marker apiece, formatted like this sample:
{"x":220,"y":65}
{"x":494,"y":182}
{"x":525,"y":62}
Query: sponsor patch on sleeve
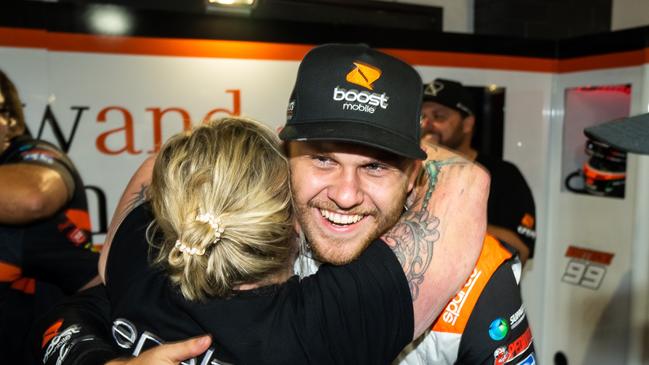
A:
{"x":529,"y":360}
{"x":39,"y":155}
{"x":509,"y":353}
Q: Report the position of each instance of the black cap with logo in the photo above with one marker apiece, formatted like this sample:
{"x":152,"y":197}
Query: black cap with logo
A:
{"x":353,"y":93}
{"x":451,"y":94}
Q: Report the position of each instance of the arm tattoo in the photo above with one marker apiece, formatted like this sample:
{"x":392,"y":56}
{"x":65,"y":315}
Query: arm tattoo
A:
{"x":413,"y":237}
{"x":137,"y":199}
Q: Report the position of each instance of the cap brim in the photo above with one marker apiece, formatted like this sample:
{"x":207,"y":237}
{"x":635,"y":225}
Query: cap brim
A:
{"x":628,"y":134}
{"x":353,"y":132}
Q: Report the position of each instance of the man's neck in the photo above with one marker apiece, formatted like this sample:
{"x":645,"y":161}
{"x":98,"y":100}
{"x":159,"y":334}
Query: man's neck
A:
{"x":468,"y":152}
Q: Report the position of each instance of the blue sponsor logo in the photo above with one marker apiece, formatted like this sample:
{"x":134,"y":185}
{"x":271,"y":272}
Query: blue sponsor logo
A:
{"x":498,"y":329}
{"x":529,"y":360}
{"x":38,"y":156}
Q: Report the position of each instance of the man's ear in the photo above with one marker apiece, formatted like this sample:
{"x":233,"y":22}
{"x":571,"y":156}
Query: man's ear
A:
{"x":279,"y":129}
{"x":468,"y":123}
{"x":414,"y":174}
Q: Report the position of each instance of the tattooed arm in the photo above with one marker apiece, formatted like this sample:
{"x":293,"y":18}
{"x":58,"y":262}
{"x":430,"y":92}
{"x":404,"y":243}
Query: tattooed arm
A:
{"x":133,"y":195}
{"x":439,"y":238}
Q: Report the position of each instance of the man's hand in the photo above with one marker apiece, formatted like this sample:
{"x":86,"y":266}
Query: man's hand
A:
{"x":167,"y":354}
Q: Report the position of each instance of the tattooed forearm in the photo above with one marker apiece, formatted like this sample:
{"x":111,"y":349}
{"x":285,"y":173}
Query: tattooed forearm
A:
{"x":432,"y":169}
{"x":412,"y":240}
{"x":413,"y":237}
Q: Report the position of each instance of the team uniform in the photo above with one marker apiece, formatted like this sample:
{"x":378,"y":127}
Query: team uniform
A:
{"x":485,"y":323}
{"x":461,"y":335}
{"x":359,"y":313}
{"x":491,"y":296}
{"x":42,"y":260}
{"x":510,"y":204}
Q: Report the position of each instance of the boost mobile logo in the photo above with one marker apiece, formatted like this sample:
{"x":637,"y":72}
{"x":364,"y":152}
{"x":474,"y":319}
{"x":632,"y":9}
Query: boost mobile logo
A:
{"x":363,"y":75}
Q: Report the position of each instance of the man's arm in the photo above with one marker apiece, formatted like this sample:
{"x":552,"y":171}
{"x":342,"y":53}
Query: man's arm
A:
{"x":439,"y":238}
{"x":30,"y":192}
{"x":133,"y":195}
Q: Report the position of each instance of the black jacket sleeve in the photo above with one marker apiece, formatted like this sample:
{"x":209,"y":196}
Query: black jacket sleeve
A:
{"x":75,"y":331}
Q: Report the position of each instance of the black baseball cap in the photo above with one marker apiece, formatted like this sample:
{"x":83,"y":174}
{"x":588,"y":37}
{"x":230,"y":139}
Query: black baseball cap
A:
{"x":629,"y":134}
{"x":451,"y":94}
{"x":353,"y":93}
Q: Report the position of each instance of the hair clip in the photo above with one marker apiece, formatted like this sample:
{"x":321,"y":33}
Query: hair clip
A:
{"x":214,"y":222}
{"x":188,"y":250}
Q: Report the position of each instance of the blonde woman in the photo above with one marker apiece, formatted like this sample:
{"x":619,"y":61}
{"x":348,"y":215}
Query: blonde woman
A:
{"x":211,"y":249}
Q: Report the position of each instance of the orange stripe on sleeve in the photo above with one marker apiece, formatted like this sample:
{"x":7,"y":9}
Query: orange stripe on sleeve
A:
{"x":456,"y":314}
{"x":79,"y":218}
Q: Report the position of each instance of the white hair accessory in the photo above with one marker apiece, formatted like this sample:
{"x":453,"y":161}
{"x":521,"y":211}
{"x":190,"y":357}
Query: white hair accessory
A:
{"x":188,"y":250}
{"x":214,"y":222}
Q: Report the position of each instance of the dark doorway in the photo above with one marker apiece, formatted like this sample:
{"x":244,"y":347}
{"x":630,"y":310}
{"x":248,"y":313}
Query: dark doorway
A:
{"x":488,"y":133}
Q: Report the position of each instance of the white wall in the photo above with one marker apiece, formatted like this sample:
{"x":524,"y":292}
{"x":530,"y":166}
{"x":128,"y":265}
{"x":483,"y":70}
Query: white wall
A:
{"x":591,"y":326}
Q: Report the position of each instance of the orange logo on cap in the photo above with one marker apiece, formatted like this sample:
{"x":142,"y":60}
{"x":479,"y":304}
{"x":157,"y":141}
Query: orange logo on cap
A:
{"x":527,"y":221}
{"x":363,"y":75}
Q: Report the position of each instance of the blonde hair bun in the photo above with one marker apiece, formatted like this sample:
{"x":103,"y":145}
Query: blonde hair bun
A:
{"x":221,"y":193}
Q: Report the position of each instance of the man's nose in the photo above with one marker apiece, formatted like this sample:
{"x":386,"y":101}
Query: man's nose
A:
{"x":347,"y":191}
{"x":426,"y":122}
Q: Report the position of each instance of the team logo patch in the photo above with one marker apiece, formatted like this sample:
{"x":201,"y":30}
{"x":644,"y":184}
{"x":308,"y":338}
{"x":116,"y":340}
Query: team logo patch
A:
{"x":527,"y":221}
{"x":500,"y":355}
{"x":39,"y":155}
{"x":363,"y":75}
{"x":517,"y":317}
{"x":61,"y":343}
{"x":509,"y":353}
{"x":498,"y":329}
{"x":526,"y":228}
{"x":290,"y":109}
{"x":530,"y":360}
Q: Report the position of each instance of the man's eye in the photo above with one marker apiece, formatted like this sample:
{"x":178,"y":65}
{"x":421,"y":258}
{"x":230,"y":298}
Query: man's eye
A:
{"x":321,"y":160}
{"x":375,"y":167}
{"x":439,"y":116}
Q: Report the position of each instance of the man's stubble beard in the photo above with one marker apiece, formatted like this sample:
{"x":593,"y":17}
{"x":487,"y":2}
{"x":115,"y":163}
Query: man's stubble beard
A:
{"x":326,"y":251}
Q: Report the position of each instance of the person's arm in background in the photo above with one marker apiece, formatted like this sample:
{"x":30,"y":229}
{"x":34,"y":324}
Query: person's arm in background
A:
{"x":515,"y":221}
{"x":439,"y":238}
{"x":31,"y":192}
{"x":86,"y":315}
{"x":511,"y":238}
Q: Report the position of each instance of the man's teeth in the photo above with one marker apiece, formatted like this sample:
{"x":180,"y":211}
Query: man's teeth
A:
{"x":340,"y":218}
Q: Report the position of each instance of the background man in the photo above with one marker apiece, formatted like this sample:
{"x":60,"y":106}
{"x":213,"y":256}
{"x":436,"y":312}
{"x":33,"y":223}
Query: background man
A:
{"x":45,"y":243}
{"x":448,"y":118}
